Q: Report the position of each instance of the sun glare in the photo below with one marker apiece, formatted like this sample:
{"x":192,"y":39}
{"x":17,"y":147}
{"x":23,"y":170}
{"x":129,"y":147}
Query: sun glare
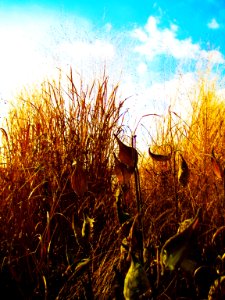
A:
{"x":20,"y":63}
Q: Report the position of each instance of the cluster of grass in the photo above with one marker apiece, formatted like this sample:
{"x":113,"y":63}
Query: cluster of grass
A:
{"x":45,"y":134}
{"x":60,"y":232}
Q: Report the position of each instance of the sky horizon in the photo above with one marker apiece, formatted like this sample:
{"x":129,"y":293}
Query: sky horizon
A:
{"x":151,"y":47}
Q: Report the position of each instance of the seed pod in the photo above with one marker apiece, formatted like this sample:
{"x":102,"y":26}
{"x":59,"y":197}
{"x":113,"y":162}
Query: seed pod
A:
{"x":127,"y":155}
{"x":122,"y":172}
{"x":183,"y":172}
{"x":184,"y":224}
{"x":217,"y":169}
{"x":176,"y":248}
{"x":122,"y":215}
{"x":160,"y":157}
{"x":78,"y":180}
{"x":136,"y":282}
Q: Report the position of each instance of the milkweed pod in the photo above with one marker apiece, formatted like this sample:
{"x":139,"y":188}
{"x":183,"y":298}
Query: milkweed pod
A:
{"x":136,"y":282}
{"x":122,"y":215}
{"x":122,"y":172}
{"x":184,"y":224}
{"x":79,"y":180}
{"x":217,"y":169}
{"x":183,"y":172}
{"x":127,"y":155}
{"x":160,"y":157}
{"x":177,"y":247}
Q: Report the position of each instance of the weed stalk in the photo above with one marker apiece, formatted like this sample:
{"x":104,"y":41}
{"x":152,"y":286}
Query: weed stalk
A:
{"x":139,"y":203}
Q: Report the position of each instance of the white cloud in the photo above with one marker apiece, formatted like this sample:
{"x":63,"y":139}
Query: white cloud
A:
{"x":142,"y":68}
{"x":20,"y":59}
{"x":33,"y":48}
{"x":108,"y":27}
{"x":213,"y":24}
{"x":156,"y":98}
{"x":98,"y":49}
{"x":170,"y":92}
{"x":153,"y":42}
{"x":214,"y":56}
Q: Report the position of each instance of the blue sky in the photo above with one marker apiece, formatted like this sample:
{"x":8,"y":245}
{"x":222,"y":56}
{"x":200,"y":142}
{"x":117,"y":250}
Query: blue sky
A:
{"x":191,"y":16}
{"x":152,"y":48}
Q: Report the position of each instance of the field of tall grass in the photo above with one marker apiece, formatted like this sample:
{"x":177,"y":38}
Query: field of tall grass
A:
{"x":78,"y":208}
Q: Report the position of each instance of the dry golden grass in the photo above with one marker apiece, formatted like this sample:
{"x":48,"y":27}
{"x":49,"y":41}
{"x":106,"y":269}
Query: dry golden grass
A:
{"x":60,"y":199}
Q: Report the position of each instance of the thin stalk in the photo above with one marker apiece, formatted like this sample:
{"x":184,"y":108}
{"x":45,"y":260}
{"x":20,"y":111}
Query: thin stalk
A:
{"x":158,"y":266}
{"x":175,"y":185}
{"x":139,"y":204}
{"x":176,"y":199}
{"x":223,"y":205}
